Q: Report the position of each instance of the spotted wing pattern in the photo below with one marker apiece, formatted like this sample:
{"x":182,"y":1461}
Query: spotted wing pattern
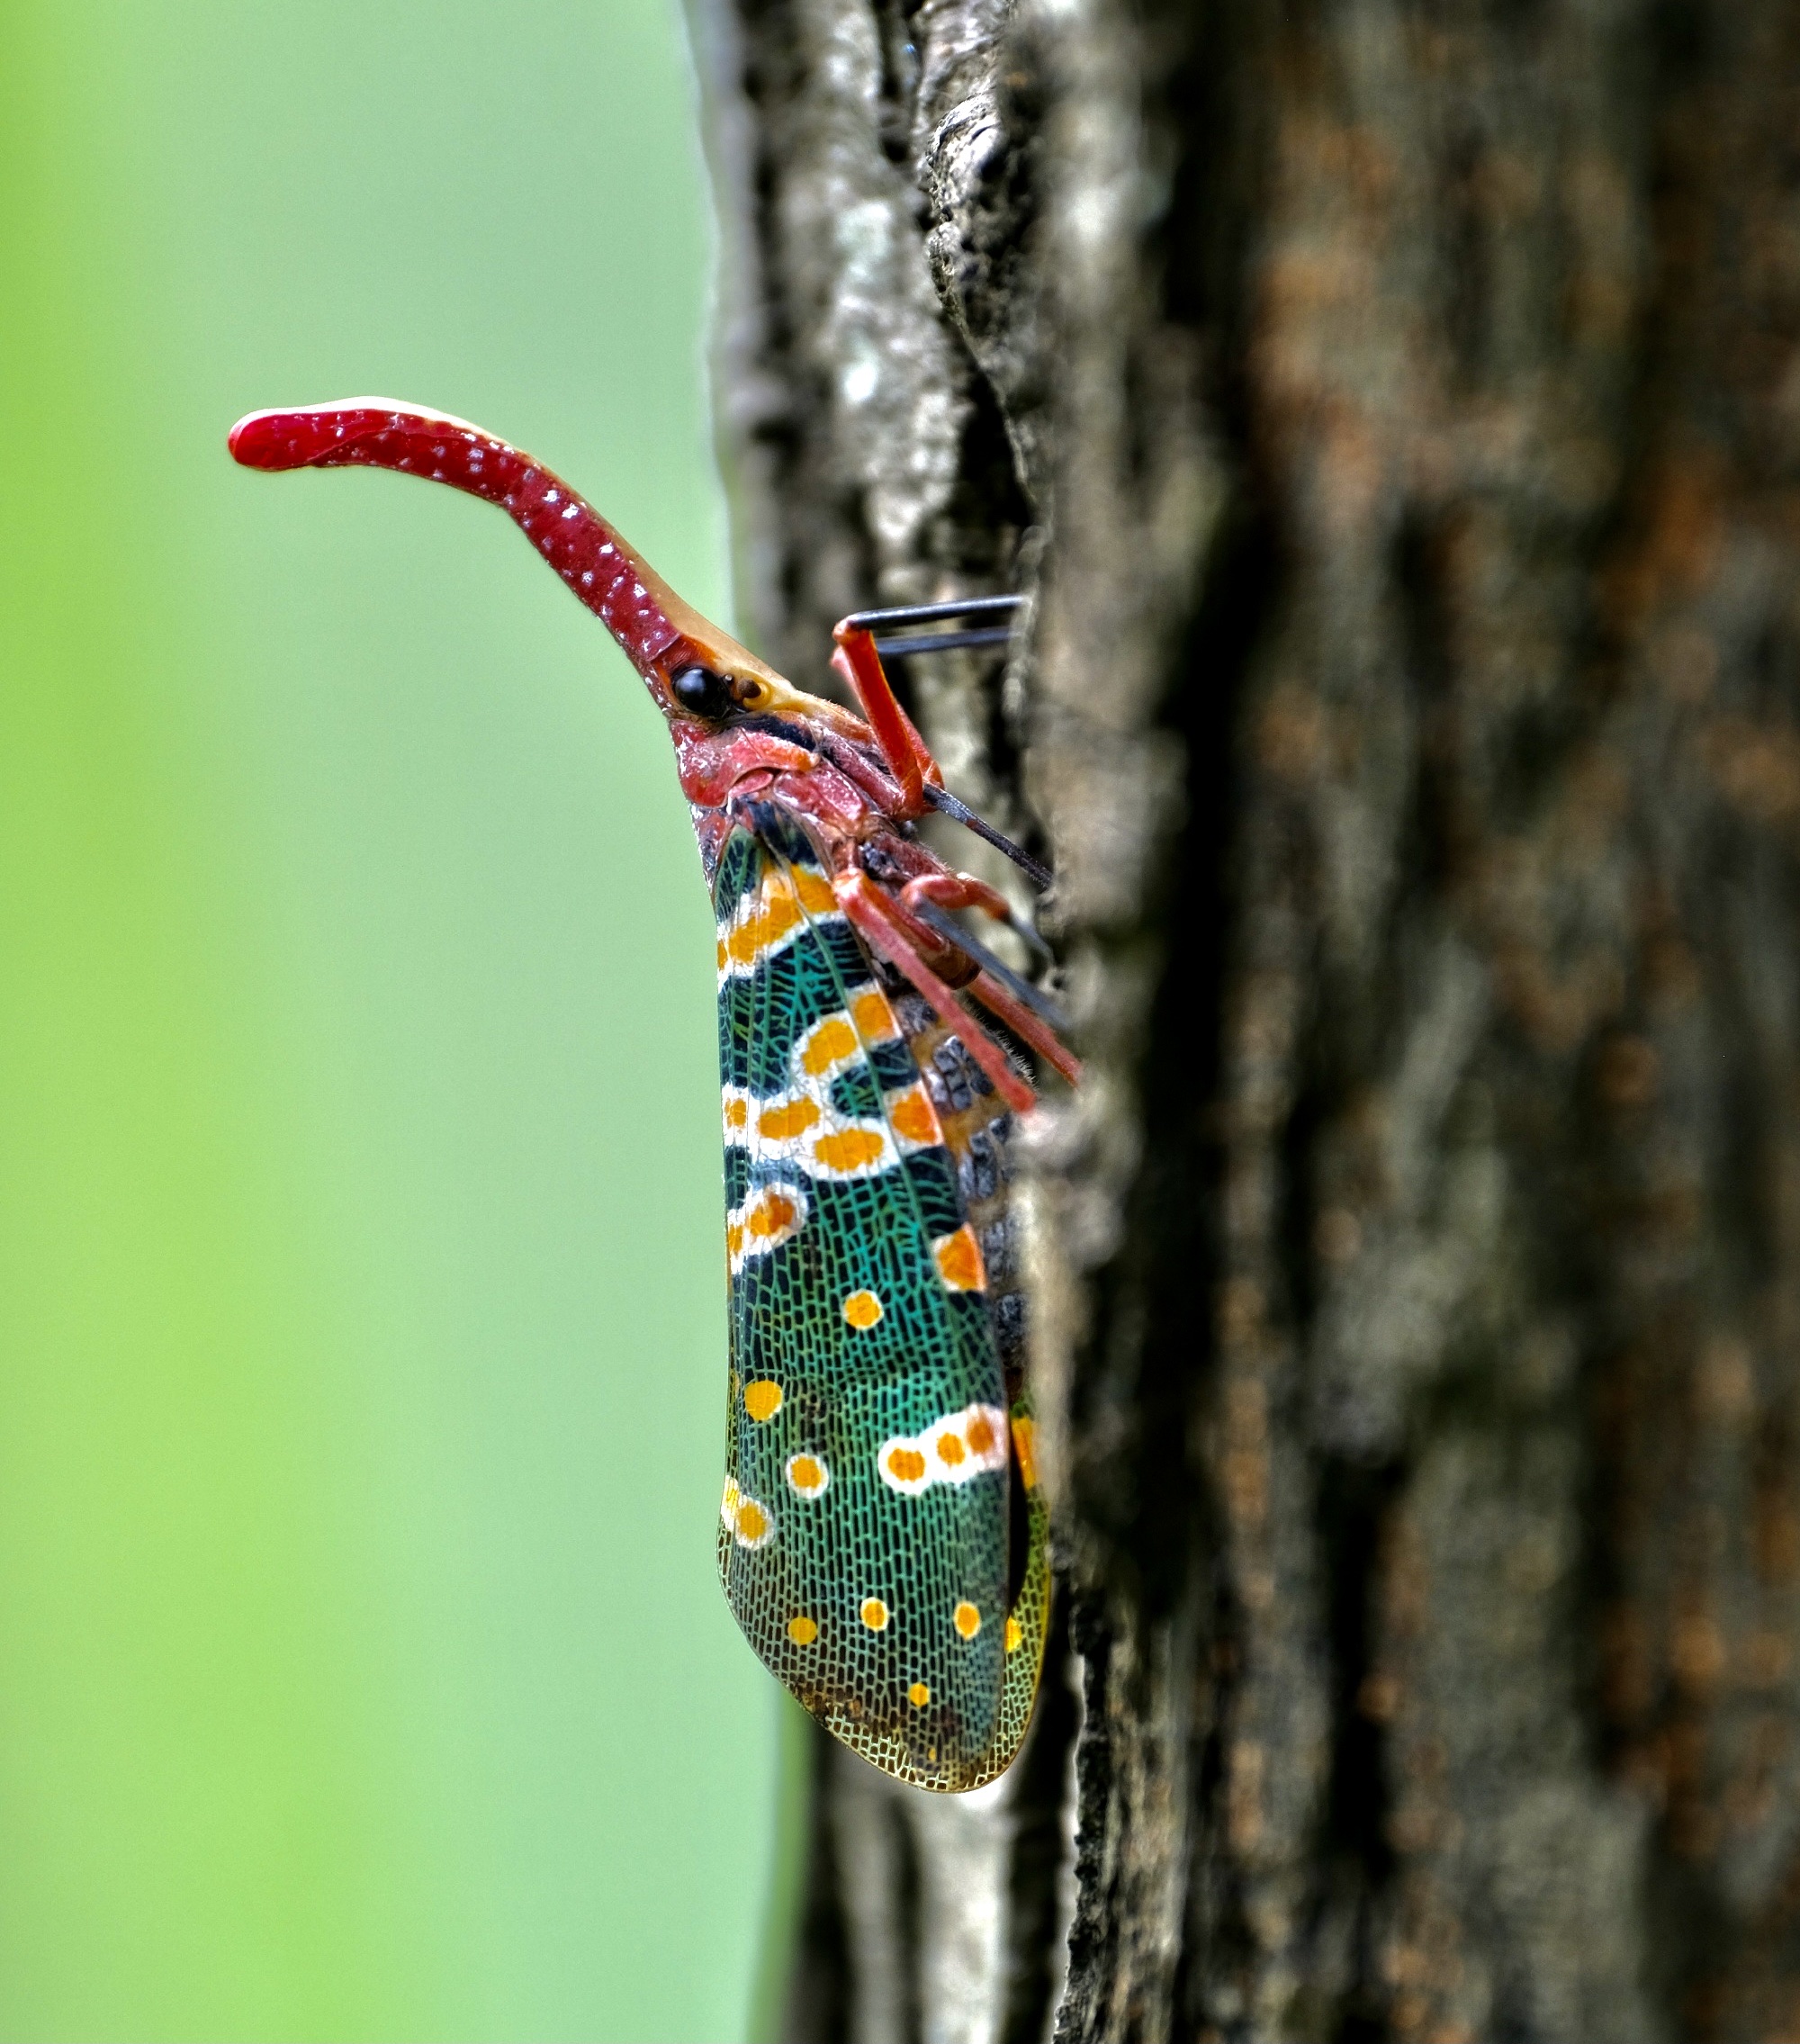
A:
{"x":883,"y":1541}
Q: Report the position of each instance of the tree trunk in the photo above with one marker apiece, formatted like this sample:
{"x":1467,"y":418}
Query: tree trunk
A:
{"x":1395,"y":414}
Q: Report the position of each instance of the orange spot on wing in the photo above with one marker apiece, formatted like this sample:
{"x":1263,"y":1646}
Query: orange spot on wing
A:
{"x":907,"y":1463}
{"x":830,"y":1044}
{"x":919,"y":1696}
{"x":753,"y":1522}
{"x":733,"y":1239}
{"x":913,"y":1116}
{"x":770,"y":1214}
{"x":950,"y":1449}
{"x":980,"y":1436}
{"x":807,"y":1475}
{"x":793,"y":1117}
{"x":873,"y":1018}
{"x":815,"y":891}
{"x":862,"y":1308}
{"x":762,"y":1398}
{"x":873,"y":1614}
{"x":959,"y":1260}
{"x":966,"y":1619}
{"x":764,"y":926}
{"x":803,"y":1631}
{"x":737,"y":1113}
{"x":850,"y":1150}
{"x":1015,"y":1633}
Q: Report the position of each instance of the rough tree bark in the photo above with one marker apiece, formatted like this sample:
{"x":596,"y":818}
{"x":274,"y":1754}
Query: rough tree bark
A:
{"x":1395,"y":411}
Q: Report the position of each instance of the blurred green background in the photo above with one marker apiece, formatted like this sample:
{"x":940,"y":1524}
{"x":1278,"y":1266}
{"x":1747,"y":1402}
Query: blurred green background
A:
{"x":362,"y":1669}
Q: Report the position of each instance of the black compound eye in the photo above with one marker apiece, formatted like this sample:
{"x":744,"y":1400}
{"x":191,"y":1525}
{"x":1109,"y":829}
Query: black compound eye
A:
{"x":699,"y":690}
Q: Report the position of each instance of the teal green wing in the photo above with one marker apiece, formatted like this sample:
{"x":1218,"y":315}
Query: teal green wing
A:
{"x":865,"y":1520}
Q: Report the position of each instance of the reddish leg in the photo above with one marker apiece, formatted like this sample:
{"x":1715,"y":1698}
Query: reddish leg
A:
{"x":917,"y":782}
{"x":962,"y":890}
{"x":878,"y":920}
{"x":902,"y":748}
{"x":1025,"y":1025}
{"x":958,"y":890}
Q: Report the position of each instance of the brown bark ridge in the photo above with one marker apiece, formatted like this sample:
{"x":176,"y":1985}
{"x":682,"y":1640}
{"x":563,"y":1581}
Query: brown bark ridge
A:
{"x":1394,"y":411}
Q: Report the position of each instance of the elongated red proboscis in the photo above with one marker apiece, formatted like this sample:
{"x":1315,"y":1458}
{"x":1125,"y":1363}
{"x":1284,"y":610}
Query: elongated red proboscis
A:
{"x":576,"y":541}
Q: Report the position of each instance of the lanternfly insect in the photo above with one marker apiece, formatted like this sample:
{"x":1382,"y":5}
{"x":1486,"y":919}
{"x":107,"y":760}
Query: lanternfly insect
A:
{"x":883,"y":1540}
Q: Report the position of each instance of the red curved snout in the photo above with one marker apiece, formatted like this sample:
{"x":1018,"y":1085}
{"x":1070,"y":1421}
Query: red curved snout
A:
{"x":570,"y":535}
{"x":305,"y":435}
